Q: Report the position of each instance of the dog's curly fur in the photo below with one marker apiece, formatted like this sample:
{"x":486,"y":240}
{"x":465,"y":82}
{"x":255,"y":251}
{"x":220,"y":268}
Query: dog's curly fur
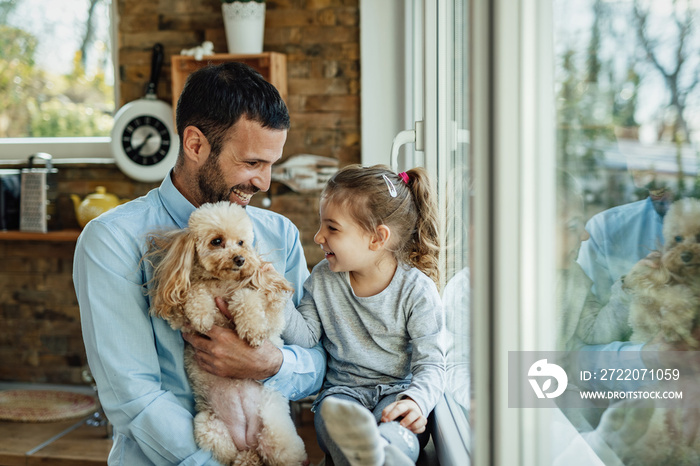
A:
{"x":667,"y":298}
{"x":214,"y":256}
{"x":664,"y":297}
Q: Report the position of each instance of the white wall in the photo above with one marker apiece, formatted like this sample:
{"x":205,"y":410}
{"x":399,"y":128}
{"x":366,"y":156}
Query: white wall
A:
{"x":383,"y":84}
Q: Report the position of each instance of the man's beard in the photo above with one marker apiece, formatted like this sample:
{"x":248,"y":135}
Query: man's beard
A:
{"x":212,"y":185}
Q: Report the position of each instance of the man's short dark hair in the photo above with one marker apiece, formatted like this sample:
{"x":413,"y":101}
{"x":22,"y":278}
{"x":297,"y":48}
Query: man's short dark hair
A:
{"x":216,"y":97}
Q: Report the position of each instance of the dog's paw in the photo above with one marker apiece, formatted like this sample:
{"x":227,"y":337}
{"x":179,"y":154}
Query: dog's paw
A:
{"x":254,"y":339}
{"x":254,"y":329}
{"x":202,"y":322}
{"x":248,"y":458}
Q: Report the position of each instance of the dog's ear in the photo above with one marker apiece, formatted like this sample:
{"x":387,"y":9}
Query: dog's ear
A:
{"x":172,"y":274}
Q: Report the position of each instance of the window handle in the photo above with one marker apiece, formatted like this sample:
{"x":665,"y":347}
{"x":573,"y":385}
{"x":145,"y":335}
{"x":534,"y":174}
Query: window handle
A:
{"x":406,"y":137}
{"x":459,"y":136}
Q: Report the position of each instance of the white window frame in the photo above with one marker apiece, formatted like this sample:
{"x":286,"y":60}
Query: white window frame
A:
{"x":522,"y":313}
{"x":17,"y":150}
{"x":522,"y":221}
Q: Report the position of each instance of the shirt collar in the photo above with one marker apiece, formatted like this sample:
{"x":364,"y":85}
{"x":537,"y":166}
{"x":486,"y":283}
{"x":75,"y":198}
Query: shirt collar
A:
{"x":174,"y":202}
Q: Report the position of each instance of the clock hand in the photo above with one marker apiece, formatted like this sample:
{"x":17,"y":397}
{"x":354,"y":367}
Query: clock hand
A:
{"x":145,"y":141}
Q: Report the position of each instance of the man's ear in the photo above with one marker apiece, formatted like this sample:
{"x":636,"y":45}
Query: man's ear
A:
{"x":195,"y":145}
{"x":380,"y":238}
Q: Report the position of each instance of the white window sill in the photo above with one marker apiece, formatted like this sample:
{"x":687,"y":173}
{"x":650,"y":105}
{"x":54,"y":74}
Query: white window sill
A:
{"x":19,"y":149}
{"x":451,"y":433}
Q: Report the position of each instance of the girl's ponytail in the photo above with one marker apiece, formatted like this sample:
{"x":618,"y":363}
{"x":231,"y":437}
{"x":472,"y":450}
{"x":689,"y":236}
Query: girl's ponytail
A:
{"x":424,"y":247}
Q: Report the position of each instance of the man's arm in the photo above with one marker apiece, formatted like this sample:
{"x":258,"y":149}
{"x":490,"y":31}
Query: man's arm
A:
{"x":592,"y":258}
{"x":120,"y":341}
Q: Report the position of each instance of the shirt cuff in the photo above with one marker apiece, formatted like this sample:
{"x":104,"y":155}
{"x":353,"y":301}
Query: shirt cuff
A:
{"x":280,"y":381}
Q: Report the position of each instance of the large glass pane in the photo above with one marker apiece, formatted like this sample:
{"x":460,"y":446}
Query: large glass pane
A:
{"x":628,"y":258}
{"x":56,"y":71}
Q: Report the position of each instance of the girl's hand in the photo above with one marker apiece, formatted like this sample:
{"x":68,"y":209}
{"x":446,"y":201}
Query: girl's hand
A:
{"x":408,"y":410}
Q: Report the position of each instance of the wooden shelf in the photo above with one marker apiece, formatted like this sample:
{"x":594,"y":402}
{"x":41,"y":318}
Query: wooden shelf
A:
{"x":271,"y":65}
{"x":54,"y":236}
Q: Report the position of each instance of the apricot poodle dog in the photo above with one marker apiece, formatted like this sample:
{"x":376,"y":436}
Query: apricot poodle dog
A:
{"x":665,"y":294}
{"x":214,"y":256}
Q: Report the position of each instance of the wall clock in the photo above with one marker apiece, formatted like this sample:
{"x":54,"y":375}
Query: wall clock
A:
{"x":144,"y":141}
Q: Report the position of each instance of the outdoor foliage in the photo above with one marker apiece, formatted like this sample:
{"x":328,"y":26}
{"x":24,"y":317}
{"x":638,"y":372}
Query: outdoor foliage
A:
{"x":35,"y":102}
{"x":623,"y":67}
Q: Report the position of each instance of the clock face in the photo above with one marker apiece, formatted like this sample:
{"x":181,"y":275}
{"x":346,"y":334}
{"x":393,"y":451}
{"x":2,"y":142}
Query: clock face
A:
{"x":146,"y":140}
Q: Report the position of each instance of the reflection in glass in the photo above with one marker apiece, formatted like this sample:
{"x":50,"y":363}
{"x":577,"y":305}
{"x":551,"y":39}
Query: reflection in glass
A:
{"x":628,"y":121}
{"x":455,"y":165}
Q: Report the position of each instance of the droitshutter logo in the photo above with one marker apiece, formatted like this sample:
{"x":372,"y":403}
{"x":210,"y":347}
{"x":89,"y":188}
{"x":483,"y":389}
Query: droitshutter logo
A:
{"x":542,"y":370}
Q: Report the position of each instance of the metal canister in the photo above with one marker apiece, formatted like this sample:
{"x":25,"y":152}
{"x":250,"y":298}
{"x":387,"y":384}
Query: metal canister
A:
{"x":39,"y":195}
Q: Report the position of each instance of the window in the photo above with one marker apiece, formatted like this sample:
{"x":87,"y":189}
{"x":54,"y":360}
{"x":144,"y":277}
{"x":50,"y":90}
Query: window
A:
{"x":593,"y":109}
{"x":627,"y":128}
{"x":538,"y":116}
{"x":57,"y":91}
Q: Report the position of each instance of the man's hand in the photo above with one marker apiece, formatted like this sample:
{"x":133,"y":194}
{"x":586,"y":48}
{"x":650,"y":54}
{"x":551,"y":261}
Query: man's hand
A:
{"x":652,"y":260}
{"x":413,"y":418}
{"x":223,"y":353}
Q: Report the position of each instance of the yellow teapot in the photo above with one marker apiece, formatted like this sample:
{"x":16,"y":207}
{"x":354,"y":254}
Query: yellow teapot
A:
{"x":94,"y":204}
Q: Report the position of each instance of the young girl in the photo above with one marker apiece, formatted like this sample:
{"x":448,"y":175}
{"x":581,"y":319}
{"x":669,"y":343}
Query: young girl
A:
{"x":374,"y":304}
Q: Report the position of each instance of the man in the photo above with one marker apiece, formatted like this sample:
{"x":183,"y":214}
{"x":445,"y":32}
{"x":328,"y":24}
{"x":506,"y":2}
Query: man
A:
{"x":232,"y":126}
{"x":625,"y":234}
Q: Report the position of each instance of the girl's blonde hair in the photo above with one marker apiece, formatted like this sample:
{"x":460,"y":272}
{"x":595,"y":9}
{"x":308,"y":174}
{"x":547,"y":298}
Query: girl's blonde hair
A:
{"x":411,"y":215}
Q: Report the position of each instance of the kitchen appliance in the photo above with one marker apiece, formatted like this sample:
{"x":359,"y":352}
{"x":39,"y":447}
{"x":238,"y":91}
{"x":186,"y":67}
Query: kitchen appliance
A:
{"x":9,"y":199}
{"x":39,"y":193}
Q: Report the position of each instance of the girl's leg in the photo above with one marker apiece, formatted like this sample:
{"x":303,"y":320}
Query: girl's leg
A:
{"x":353,"y":429}
{"x":328,"y":446}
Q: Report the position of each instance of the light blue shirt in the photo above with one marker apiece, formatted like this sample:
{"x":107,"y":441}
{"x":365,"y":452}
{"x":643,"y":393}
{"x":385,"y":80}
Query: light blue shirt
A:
{"x":619,"y":238}
{"x":137,"y":359}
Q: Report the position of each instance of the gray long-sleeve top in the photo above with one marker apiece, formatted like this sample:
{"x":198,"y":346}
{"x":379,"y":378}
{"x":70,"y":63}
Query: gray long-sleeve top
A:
{"x":390,"y":338}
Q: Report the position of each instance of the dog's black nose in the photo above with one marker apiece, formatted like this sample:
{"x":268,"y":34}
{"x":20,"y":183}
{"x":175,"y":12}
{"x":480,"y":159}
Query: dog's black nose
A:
{"x":686,"y":256}
{"x":239,"y":260}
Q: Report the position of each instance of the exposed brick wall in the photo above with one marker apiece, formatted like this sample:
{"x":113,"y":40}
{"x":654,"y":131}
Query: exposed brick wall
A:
{"x":40,"y":339}
{"x":319,"y":37}
{"x":322,"y":43}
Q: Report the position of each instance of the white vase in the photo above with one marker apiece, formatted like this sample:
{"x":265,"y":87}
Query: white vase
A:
{"x":245,"y":26}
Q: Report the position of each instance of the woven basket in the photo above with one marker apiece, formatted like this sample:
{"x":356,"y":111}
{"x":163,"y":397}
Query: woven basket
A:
{"x":44,"y":405}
